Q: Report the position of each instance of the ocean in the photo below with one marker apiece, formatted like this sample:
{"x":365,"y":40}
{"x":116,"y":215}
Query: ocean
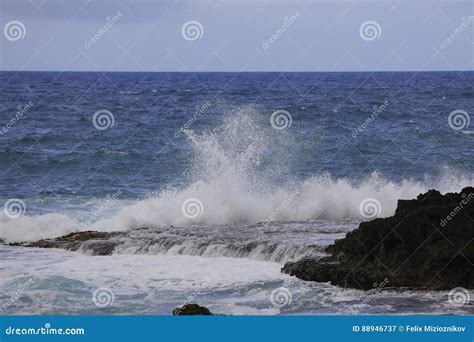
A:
{"x":233,"y":173}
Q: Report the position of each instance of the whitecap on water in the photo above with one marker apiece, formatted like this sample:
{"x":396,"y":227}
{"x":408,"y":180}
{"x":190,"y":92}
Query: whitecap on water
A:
{"x":241,"y":175}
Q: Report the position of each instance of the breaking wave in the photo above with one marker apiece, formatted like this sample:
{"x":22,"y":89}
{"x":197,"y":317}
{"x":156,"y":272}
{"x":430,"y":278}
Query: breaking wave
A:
{"x":241,"y":175}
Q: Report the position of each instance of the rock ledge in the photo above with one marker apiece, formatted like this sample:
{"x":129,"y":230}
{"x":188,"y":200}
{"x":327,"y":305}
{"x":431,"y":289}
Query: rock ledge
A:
{"x":427,"y":244}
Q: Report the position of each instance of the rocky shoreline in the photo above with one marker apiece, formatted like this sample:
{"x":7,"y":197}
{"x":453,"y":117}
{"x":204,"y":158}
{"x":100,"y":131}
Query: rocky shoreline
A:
{"x":428,"y":244}
{"x":96,"y":243}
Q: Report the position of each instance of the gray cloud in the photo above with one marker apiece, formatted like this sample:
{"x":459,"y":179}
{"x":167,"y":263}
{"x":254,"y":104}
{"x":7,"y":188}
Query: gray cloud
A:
{"x":237,"y":35}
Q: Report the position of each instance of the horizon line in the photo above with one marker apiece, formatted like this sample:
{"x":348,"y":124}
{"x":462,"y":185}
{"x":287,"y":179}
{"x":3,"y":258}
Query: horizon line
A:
{"x":234,"y":72}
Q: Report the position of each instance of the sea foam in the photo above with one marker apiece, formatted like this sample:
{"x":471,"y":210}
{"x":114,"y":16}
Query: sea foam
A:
{"x":241,"y":175}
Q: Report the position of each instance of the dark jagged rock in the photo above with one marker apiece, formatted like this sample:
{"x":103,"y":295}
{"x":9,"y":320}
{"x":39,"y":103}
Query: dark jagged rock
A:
{"x":192,"y":310}
{"x":97,"y":243}
{"x":427,"y":244}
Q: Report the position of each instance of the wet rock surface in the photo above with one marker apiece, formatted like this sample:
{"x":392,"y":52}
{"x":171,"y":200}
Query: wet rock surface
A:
{"x":427,"y":244}
{"x":97,"y":243}
{"x":192,"y":310}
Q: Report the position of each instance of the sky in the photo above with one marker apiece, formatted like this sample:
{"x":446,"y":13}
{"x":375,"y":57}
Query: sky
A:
{"x":245,"y":35}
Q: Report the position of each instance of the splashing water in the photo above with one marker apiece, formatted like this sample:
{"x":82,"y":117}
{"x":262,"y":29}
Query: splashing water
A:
{"x":241,"y":175}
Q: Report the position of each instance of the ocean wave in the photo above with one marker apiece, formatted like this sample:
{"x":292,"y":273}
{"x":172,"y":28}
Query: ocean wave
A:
{"x":241,"y":175}
{"x":228,"y":202}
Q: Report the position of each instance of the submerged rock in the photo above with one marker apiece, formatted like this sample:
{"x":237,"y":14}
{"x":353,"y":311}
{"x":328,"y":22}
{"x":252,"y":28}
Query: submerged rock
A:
{"x":192,"y":310}
{"x":97,"y":243}
{"x":427,"y":244}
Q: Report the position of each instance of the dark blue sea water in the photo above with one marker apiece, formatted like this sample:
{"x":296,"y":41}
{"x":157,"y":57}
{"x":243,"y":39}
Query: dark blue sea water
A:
{"x":119,"y":151}
{"x":55,"y":149}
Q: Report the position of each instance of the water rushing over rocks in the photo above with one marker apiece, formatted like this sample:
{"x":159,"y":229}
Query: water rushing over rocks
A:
{"x":279,"y":242}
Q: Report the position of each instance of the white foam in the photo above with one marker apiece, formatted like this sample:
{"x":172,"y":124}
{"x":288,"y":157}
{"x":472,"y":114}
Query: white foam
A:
{"x":31,"y":228}
{"x":60,"y":282}
{"x":237,"y":177}
{"x":178,"y":273}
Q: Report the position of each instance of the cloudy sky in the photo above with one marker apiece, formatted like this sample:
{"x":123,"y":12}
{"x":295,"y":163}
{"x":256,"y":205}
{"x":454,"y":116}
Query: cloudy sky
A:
{"x":250,"y":35}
